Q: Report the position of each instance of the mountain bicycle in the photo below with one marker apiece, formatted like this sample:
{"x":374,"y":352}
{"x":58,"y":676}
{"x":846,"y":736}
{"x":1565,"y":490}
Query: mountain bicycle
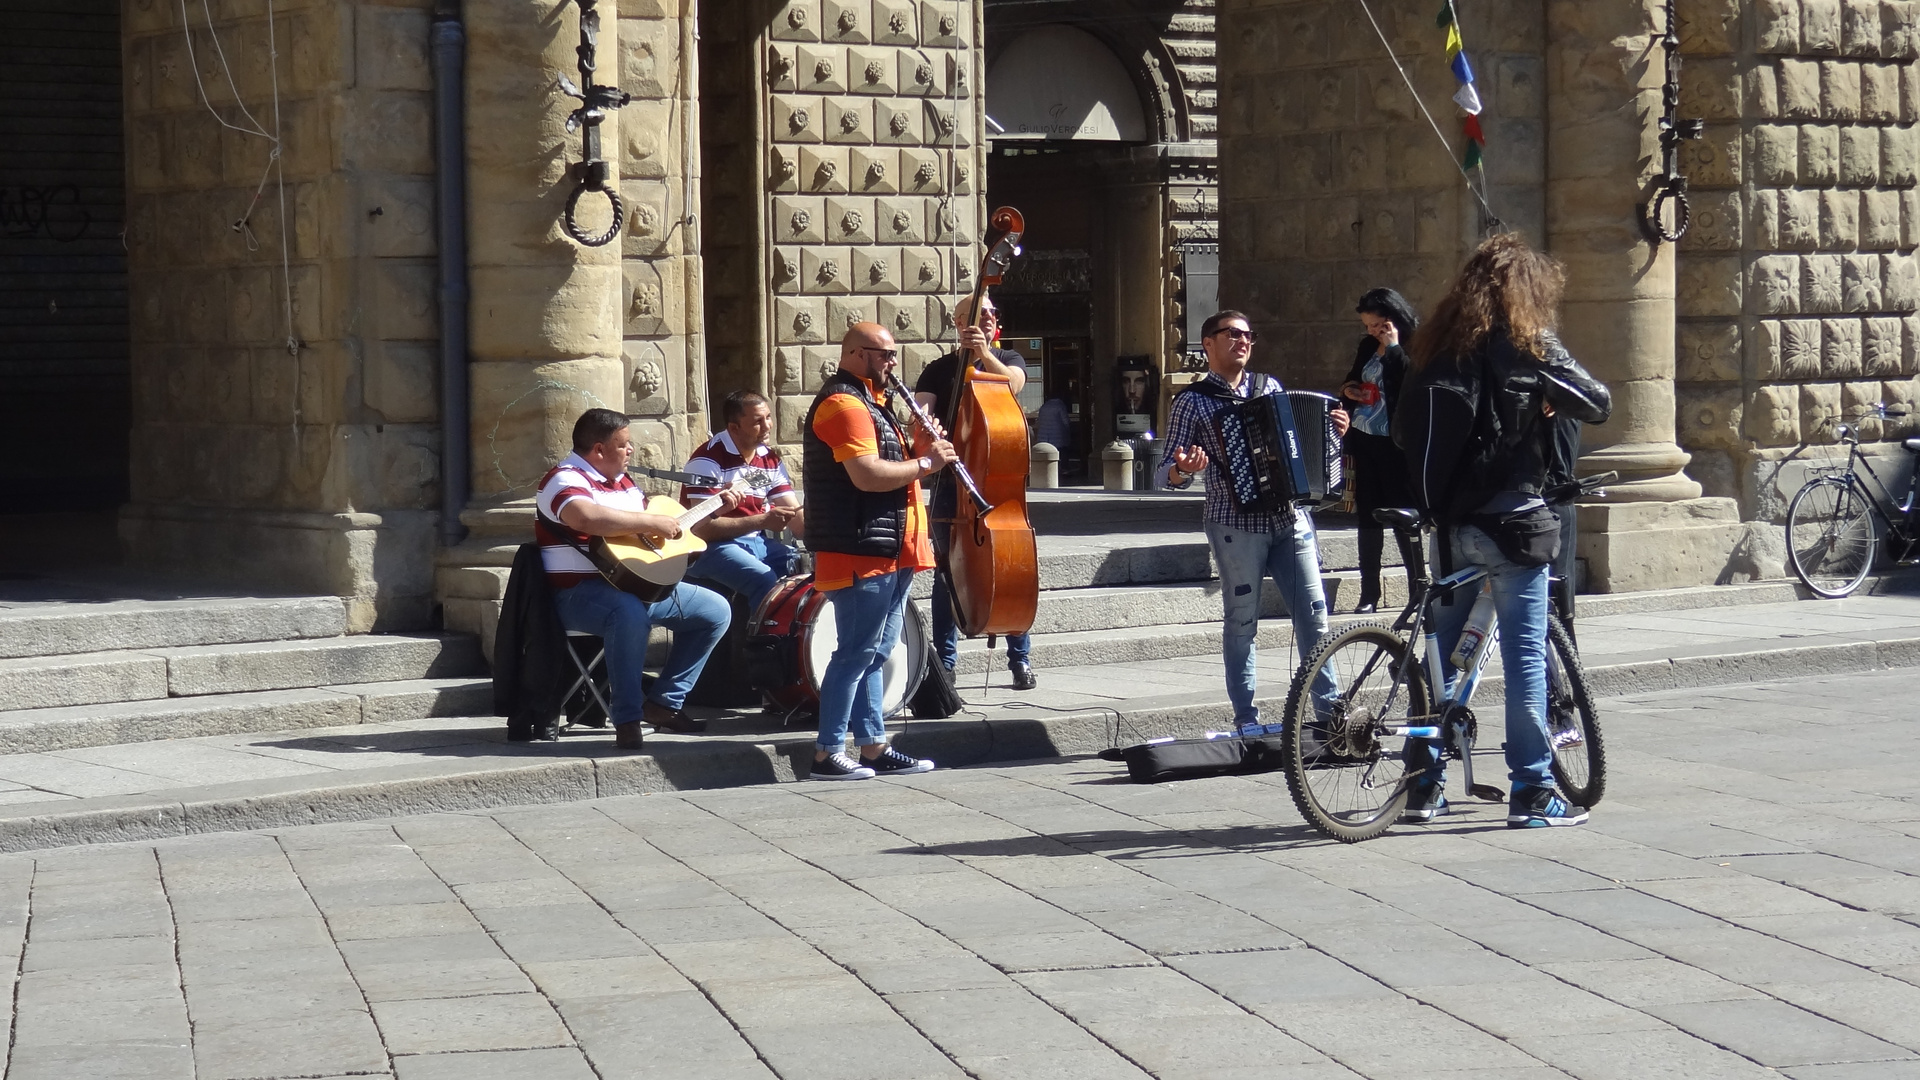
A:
{"x":1831,"y":540}
{"x":1345,"y":760}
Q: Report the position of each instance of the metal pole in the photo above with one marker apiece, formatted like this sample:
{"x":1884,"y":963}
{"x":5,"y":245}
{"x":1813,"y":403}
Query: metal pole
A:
{"x":450,"y":161}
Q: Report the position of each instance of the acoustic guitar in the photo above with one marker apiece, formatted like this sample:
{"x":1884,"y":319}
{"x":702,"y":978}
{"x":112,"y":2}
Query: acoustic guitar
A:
{"x":649,"y":569}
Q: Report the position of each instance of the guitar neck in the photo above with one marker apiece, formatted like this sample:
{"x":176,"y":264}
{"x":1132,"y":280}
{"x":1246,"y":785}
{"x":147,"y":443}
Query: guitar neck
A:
{"x":701,"y":511}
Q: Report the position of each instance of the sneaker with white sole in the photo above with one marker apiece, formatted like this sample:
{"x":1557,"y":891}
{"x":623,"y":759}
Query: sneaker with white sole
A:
{"x":839,"y":767}
{"x":1424,"y":803}
{"x":1542,"y":808}
{"x":891,"y":762}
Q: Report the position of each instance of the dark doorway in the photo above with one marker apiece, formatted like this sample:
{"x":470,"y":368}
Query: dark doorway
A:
{"x":64,"y":394}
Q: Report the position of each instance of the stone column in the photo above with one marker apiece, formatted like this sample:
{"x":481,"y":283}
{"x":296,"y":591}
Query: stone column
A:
{"x":546,"y":312}
{"x":1604,"y":73}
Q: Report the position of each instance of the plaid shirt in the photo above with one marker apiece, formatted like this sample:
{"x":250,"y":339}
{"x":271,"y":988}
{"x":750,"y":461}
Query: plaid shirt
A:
{"x":1191,"y":424}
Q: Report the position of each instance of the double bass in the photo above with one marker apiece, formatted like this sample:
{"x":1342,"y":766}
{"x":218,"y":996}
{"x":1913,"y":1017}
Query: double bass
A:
{"x":991,"y":559}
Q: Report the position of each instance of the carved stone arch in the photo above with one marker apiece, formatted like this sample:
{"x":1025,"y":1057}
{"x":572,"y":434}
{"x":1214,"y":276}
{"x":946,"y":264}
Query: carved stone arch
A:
{"x":1155,"y":76}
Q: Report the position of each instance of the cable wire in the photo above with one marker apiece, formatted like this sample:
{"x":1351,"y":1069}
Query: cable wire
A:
{"x":1493,"y":218}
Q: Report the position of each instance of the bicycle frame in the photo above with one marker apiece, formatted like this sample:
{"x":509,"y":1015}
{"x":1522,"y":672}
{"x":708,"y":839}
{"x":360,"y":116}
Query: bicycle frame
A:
{"x":1903,"y":527}
{"x":1449,"y":720}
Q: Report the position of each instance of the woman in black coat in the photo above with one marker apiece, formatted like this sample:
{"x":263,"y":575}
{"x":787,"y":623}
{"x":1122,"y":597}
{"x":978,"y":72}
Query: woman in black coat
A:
{"x":1379,"y":473}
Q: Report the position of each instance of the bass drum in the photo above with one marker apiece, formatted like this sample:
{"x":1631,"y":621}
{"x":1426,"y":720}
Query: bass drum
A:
{"x":801,"y":618}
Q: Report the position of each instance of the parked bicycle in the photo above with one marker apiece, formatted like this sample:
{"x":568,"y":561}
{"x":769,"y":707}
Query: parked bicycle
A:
{"x":1831,"y":540}
{"x":1346,"y":761}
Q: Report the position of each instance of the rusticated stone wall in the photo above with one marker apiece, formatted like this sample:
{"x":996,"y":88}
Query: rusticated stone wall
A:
{"x":861,"y":201}
{"x":310,"y":464}
{"x":1332,"y":181}
{"x":1797,"y":280}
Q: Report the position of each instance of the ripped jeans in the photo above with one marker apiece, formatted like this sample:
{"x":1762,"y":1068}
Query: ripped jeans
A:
{"x":1292,"y":558}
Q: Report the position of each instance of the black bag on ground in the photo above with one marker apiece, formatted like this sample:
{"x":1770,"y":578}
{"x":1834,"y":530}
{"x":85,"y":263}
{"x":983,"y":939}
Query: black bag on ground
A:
{"x":1189,"y":759}
{"x":936,"y":699}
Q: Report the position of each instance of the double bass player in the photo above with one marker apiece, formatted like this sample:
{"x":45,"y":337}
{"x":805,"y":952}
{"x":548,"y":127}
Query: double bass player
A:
{"x":934,"y":391}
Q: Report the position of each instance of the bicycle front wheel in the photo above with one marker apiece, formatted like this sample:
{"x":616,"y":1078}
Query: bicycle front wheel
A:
{"x":1348,"y":776}
{"x":1830,"y":536}
{"x":1573,"y":726}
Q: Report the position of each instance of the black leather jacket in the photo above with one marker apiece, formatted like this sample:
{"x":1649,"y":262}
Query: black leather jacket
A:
{"x":1474,"y":428}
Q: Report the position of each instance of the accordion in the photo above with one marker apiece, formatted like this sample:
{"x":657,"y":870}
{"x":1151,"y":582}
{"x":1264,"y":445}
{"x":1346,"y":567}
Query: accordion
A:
{"x":1281,"y":451}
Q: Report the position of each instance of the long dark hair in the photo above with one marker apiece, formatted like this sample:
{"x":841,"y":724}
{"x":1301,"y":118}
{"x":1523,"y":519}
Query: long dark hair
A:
{"x":1505,"y":285}
{"x":1392,"y":307}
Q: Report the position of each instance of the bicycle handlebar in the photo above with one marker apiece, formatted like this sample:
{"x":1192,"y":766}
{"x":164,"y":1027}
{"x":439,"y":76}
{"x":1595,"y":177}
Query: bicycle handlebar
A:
{"x":1575,"y":489}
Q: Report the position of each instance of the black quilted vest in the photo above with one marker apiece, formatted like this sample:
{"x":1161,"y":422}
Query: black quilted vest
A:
{"x":841,"y":517}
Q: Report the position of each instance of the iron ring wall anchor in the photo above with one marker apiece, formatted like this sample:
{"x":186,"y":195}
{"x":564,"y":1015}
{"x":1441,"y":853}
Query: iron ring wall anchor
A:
{"x":591,"y":172}
{"x":1670,"y":187}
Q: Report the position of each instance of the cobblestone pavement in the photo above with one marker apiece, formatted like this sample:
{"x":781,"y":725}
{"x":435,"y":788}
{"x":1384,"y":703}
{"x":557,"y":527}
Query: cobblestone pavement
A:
{"x":1745,"y":904}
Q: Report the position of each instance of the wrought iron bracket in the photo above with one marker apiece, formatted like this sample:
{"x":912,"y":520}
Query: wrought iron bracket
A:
{"x":591,"y":172}
{"x":1670,"y":186}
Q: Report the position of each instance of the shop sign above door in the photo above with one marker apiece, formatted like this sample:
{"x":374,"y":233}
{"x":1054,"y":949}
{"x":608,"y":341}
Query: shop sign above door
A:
{"x":1056,"y":82}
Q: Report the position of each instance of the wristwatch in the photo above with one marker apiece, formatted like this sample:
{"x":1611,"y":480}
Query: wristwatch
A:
{"x":926,"y":465}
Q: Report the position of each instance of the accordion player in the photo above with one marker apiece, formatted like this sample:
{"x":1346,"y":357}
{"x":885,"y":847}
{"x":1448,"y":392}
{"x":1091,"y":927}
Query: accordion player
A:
{"x":1281,"y":450}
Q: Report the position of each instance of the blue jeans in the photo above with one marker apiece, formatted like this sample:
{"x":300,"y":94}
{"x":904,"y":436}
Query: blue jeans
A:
{"x":946,"y":633}
{"x":749,"y":565}
{"x":866,"y":622}
{"x":1292,"y":558}
{"x":698,"y":619}
{"x":1520,"y":606}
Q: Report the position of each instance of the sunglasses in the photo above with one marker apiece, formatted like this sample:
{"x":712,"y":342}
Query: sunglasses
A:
{"x":890,"y":354}
{"x":1237,"y":334}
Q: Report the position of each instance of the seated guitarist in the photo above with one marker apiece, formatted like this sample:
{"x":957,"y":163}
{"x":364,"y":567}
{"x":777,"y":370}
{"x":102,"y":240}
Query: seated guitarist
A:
{"x":740,"y":556}
{"x":590,"y":494}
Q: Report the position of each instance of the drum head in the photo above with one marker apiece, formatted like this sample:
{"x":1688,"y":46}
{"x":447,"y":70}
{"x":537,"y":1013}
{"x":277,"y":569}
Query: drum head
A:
{"x":905,"y":667}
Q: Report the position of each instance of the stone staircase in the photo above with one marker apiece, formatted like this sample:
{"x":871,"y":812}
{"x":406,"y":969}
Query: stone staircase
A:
{"x":1122,"y":577}
{"x":80,"y":673}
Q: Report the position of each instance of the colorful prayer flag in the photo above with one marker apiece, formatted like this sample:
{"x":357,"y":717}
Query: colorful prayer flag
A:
{"x":1467,"y":97}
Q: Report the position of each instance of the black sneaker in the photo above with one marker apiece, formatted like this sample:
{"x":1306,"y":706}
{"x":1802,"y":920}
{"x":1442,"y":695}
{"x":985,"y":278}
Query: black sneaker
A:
{"x":839,"y":767}
{"x":1424,"y":803}
{"x":1542,"y":808}
{"x":891,"y":762}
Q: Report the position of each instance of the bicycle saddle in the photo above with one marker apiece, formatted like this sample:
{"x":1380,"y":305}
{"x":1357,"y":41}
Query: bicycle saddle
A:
{"x":1398,"y":518}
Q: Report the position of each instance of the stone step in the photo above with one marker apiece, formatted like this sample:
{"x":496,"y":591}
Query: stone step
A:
{"x":282,"y":665}
{"x":52,"y":628}
{"x":1075,"y":610}
{"x":1065,"y":563}
{"x":42,"y":730}
{"x":99,"y":678}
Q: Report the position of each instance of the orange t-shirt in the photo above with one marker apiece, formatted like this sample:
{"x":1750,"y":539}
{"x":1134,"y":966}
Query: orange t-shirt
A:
{"x":843,"y":423}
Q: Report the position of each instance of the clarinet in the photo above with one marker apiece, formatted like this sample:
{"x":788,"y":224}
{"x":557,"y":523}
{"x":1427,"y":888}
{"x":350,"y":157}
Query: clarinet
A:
{"x":927,"y":424}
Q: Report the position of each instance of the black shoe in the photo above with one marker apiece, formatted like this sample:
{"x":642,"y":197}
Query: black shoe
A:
{"x":1542,"y":808}
{"x":891,"y":762}
{"x":660,"y":718}
{"x":1364,"y":608}
{"x":628,"y":736}
{"x":1023,"y":676}
{"x":839,"y":767}
{"x":1424,"y":803}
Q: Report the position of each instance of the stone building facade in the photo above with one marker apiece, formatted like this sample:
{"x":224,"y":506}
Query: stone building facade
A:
{"x":1787,"y":301}
{"x":788,"y":166}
